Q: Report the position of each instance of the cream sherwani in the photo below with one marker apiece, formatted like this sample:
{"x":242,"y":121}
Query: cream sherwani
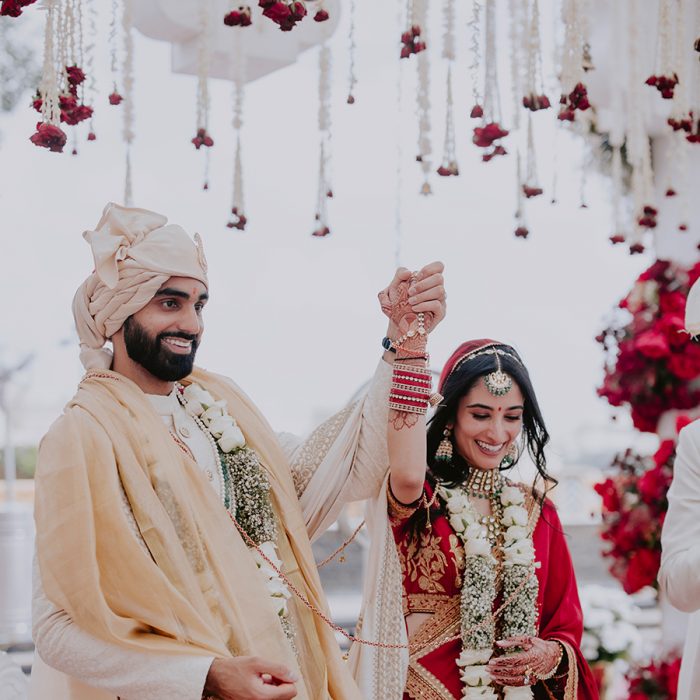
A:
{"x":680,"y":561}
{"x":358,"y":432}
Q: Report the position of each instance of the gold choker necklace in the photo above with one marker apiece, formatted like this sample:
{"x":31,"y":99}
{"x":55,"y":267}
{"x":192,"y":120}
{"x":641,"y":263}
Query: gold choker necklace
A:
{"x":484,"y":483}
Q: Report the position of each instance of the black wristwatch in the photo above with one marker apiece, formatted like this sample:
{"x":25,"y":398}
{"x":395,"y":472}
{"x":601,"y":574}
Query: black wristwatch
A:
{"x":388,"y":345}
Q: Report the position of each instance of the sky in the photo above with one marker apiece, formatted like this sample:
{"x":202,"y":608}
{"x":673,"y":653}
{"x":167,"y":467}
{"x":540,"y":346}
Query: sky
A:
{"x":295,"y":319}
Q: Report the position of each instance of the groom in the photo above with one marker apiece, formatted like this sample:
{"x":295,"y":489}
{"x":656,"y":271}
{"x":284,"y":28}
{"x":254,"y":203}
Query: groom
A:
{"x":173,"y":527}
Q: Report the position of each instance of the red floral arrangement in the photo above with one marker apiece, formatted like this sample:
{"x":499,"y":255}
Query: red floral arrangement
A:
{"x":656,"y":681}
{"x":633,"y":510}
{"x":653,"y":364}
{"x":535,"y":102}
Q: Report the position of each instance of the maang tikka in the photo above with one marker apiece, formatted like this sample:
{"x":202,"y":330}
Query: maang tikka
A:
{"x":498,"y":382}
{"x":444,"y":450}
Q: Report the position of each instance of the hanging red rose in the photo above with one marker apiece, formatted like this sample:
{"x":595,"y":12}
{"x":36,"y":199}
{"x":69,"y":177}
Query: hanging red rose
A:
{"x":202,"y":138}
{"x":49,"y":136}
{"x":240,"y":17}
{"x":665,"y":84}
{"x":238,"y":220}
{"x":321,"y":16}
{"x":13,"y":8}
{"x":115,"y":98}
{"x":411,"y":42}
{"x":577,"y":99}
{"x":536,"y":102}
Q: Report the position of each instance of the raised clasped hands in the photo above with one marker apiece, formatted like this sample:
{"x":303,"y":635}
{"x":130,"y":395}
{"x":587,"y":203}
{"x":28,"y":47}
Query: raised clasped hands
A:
{"x":410,"y":294}
{"x":536,"y":659}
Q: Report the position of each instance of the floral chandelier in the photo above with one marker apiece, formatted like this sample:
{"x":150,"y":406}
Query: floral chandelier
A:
{"x":500,"y":126}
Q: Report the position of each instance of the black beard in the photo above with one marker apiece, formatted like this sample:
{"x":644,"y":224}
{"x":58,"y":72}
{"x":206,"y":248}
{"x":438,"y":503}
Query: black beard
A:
{"x":153,"y":356}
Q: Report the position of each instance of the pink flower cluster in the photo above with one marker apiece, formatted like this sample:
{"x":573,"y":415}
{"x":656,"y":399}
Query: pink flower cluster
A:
{"x":652,"y":360}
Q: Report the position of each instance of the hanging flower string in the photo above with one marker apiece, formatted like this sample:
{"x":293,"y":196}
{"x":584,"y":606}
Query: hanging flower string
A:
{"x":128,"y":82}
{"x":534,"y":99}
{"x":48,"y":132}
{"x":666,"y":78}
{"x":521,"y":229}
{"x":202,"y":137}
{"x":321,"y":228}
{"x":449,"y":164}
{"x":352,"y":47}
{"x":238,"y":218}
{"x":490,"y":133}
{"x":420,"y":20}
{"x":575,"y":62}
{"x":474,"y":24}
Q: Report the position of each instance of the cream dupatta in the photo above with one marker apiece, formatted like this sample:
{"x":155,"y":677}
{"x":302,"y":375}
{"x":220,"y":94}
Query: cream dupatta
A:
{"x":199,"y":592}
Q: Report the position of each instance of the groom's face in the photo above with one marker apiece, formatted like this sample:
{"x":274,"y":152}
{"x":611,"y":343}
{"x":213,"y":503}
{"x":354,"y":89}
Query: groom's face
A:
{"x":163,"y":337}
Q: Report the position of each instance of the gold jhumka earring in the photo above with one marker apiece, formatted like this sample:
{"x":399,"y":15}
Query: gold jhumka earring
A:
{"x":444,"y":450}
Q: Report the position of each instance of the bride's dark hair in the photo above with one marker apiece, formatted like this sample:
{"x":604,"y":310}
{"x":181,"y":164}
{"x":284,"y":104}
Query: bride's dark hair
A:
{"x":460,"y":382}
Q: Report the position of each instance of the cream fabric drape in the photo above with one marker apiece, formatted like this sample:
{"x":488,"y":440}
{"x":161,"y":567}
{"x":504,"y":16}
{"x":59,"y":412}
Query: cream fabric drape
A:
{"x":200,"y":593}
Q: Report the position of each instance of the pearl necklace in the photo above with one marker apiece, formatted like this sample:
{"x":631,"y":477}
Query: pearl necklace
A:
{"x":212,"y":443}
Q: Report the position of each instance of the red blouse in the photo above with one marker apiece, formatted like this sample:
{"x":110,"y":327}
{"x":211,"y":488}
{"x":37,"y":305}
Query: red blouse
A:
{"x":432,"y":564}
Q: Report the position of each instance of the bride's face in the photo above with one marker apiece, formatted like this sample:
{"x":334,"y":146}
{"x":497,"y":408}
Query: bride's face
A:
{"x":487,"y":425}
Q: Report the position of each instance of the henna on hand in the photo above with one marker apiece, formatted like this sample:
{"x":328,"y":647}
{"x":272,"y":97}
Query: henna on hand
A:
{"x":537,"y":658}
{"x":402,"y":419}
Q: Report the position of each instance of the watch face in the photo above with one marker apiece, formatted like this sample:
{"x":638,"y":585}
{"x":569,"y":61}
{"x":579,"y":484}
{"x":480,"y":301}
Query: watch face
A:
{"x":386,"y":343}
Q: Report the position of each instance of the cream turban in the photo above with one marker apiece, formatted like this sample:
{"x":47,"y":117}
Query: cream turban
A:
{"x":135,"y":254}
{"x":692,"y":310}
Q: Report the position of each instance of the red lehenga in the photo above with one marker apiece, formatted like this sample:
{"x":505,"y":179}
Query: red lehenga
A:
{"x":432,"y":581}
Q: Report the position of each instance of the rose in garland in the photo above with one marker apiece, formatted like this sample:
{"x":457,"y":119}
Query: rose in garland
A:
{"x":653,"y":365}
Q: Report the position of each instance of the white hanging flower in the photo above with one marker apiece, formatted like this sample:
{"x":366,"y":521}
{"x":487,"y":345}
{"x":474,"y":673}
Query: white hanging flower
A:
{"x":472,"y":657}
{"x":515,"y":533}
{"x":521,"y":553}
{"x":512,"y":496}
{"x":515,"y":515}
{"x":216,"y":410}
{"x":457,"y":522}
{"x":476,"y":675}
{"x":477,"y":548}
{"x":457,"y":502}
{"x":198,"y":399}
{"x":219,"y":425}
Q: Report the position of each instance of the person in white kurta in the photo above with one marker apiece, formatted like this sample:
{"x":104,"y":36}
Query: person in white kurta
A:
{"x":679,"y":575}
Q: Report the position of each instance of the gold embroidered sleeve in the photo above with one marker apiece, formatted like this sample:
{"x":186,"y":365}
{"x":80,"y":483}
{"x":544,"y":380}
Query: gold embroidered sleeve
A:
{"x":307,"y":458}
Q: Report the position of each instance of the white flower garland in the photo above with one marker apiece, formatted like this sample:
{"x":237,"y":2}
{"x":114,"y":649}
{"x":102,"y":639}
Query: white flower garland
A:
{"x":478,"y":630}
{"x":230,"y":441}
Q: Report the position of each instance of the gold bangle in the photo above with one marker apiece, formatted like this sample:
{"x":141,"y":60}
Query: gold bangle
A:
{"x":551,"y":673}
